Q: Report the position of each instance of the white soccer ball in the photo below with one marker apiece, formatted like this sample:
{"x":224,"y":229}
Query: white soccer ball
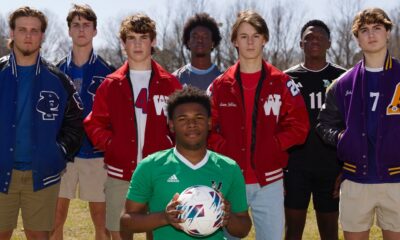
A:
{"x":202,"y":210}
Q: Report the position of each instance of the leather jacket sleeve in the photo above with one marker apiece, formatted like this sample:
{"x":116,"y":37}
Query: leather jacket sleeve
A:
{"x":71,"y":133}
{"x":330,"y":121}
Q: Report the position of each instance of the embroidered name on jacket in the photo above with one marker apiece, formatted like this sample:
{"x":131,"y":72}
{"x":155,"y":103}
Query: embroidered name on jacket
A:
{"x":160,"y":104}
{"x":48,"y":104}
{"x":229,"y":104}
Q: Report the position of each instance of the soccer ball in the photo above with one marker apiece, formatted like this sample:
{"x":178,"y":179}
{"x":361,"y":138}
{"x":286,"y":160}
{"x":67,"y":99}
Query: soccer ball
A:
{"x":202,"y":210}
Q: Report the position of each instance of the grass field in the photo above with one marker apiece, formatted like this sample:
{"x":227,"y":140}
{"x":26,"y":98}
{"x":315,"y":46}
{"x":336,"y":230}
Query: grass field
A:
{"x":79,"y":227}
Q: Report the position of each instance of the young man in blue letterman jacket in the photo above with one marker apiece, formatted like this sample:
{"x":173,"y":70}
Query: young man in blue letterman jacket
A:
{"x":41,"y":126}
{"x":362,"y":118}
{"x":87,"y":70}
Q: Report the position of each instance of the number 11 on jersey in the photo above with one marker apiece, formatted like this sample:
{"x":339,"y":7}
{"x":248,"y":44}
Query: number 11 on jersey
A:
{"x":315,"y":99}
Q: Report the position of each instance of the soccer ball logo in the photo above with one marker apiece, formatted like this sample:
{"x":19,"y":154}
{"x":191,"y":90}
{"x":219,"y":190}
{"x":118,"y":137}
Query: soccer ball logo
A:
{"x":202,"y":210}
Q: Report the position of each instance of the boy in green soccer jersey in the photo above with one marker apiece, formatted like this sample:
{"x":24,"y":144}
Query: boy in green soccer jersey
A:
{"x":160,"y":177}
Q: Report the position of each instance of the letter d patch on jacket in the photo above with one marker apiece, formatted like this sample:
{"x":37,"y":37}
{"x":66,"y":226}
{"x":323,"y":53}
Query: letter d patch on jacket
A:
{"x":394,"y":106}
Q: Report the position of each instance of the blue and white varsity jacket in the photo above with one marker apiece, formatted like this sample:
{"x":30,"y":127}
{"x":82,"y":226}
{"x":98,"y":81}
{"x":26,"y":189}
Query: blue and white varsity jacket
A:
{"x":57,"y":128}
{"x":94,"y":73}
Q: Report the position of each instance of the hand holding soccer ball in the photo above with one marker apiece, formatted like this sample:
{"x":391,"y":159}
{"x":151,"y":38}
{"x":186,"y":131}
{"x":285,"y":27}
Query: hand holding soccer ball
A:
{"x":201,"y":211}
{"x":172,"y":213}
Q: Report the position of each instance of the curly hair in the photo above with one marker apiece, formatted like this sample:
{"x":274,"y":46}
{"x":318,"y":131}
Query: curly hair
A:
{"x":315,"y":23}
{"x":204,"y":20}
{"x":188,"y":94}
{"x":370,"y":16}
{"x":138,"y":23}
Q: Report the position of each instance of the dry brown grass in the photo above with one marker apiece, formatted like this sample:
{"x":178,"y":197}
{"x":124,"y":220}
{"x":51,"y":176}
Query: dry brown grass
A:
{"x":79,"y":226}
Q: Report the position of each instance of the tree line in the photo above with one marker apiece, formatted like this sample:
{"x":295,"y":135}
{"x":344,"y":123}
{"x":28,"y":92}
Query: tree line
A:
{"x":282,"y":50}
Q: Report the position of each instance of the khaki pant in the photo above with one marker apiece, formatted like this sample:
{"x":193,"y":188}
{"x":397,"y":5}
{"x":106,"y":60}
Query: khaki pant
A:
{"x":115,"y":201}
{"x":89,"y":174}
{"x":360,"y":203}
{"x":37,"y":208}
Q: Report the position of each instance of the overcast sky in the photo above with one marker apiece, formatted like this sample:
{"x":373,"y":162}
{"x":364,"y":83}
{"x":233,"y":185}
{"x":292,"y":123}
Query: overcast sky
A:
{"x":105,"y":8}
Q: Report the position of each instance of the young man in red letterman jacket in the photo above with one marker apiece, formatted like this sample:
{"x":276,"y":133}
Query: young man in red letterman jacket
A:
{"x":128,"y":120}
{"x":258,"y":113}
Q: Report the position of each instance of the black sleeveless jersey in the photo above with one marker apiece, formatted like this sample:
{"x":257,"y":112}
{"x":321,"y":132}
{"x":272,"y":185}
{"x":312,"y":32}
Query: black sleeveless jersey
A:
{"x":314,"y":154}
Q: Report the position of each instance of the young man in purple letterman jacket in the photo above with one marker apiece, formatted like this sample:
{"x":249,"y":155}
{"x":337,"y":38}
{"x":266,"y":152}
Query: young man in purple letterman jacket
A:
{"x":361,"y":117}
{"x":128,"y":120}
{"x":257,"y":114}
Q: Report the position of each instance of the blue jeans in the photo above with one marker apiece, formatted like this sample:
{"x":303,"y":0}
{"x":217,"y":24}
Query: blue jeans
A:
{"x":267,"y":210}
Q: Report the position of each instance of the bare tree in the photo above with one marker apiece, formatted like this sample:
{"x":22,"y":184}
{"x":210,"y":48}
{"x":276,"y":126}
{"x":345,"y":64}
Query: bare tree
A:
{"x":344,"y":49}
{"x":56,"y":44}
{"x":394,"y":43}
{"x":282,"y":49}
{"x":3,"y":37}
{"x":168,"y":52}
{"x":112,"y":50}
{"x":171,"y":52}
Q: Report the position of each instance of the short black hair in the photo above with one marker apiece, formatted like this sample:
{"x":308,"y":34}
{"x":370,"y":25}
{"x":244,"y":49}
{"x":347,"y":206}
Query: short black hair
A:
{"x":188,"y":94}
{"x":315,"y":23}
{"x":204,"y":20}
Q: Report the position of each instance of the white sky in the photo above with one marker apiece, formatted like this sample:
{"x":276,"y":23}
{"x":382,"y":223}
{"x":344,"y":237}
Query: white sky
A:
{"x":105,"y":9}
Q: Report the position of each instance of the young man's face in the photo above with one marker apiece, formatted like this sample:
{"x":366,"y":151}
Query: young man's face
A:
{"x":138,"y":46}
{"x":27,"y":35}
{"x":82,"y":31}
{"x":372,"y":38}
{"x":191,"y":124}
{"x":249,"y":42}
{"x":200,"y":41}
{"x":315,"y":42}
